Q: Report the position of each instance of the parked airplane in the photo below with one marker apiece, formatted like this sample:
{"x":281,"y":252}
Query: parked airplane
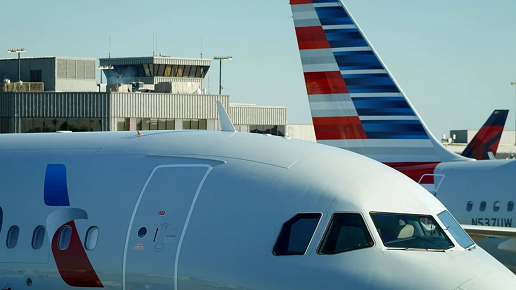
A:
{"x":222,"y":210}
{"x":487,"y":138}
{"x":357,"y":105}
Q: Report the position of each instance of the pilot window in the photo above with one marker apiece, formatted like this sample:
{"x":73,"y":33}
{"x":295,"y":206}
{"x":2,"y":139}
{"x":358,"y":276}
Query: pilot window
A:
{"x":347,"y":232}
{"x":296,"y":234}
{"x":469,"y":206}
{"x":482,"y":206}
{"x":12,"y":237}
{"x":510,"y":206}
{"x":496,"y":206}
{"x":65,"y":236}
{"x":455,"y":229}
{"x":38,"y":237}
{"x":410,"y":231}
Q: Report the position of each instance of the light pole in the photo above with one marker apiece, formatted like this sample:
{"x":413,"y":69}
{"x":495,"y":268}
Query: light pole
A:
{"x":220,"y":59}
{"x":18,"y":50}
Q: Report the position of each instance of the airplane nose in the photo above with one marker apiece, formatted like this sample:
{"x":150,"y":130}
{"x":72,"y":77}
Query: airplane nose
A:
{"x":487,"y":281}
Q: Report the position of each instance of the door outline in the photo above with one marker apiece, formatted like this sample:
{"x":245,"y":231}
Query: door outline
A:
{"x":185,"y":226}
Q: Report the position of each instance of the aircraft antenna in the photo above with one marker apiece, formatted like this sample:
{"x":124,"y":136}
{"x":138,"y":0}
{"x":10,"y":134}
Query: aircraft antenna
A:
{"x":225,"y":122}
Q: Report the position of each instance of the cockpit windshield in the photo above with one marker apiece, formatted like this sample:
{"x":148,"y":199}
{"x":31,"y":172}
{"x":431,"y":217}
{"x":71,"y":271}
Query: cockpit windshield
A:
{"x":408,"y":231}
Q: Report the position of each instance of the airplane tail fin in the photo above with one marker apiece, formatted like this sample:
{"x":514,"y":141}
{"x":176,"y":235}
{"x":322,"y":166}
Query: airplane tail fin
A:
{"x":354,"y":101}
{"x":488,"y":137}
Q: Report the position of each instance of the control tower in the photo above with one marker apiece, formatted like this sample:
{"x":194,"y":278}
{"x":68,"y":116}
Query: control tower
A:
{"x":182,"y":75}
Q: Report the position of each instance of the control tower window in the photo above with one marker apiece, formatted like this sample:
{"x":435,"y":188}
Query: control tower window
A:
{"x":296,"y":234}
{"x":409,"y":231}
{"x":347,"y":232}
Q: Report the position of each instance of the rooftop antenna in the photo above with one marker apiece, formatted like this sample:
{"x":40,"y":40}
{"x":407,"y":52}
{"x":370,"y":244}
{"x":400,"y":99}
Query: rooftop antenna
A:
{"x":109,"y":46}
{"x":201,"y":45}
{"x":153,"y":44}
{"x":157,"y":50}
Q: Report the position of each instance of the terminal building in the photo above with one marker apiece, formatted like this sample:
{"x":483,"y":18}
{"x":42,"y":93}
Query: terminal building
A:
{"x":142,"y":93}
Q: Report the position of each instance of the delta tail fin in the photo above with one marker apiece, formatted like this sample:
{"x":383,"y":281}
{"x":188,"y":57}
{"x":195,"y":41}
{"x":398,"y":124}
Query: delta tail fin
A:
{"x":354,"y":101}
{"x":488,"y":137}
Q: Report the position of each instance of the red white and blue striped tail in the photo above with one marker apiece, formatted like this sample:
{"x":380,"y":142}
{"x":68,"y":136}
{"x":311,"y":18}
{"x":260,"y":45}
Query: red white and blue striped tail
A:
{"x":488,"y":137}
{"x":355,"y":102}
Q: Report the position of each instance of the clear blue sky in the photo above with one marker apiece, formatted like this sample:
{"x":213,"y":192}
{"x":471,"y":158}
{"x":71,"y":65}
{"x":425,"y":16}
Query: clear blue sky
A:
{"x":454,"y":59}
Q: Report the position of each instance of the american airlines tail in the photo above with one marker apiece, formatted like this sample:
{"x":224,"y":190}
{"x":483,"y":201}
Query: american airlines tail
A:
{"x":355,"y":102}
{"x":487,"y":139}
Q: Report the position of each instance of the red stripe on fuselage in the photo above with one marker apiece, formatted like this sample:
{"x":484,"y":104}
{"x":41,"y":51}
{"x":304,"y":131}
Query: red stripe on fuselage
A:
{"x":336,"y":128}
{"x":311,"y":37}
{"x":322,"y":83}
{"x":296,"y":2}
{"x":415,"y":170}
{"x":73,"y":263}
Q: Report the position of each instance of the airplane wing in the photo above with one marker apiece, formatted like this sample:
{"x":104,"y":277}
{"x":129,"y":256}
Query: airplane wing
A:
{"x":479,"y":232}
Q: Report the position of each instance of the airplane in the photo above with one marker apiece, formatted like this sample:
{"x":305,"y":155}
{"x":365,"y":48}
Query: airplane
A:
{"x":357,"y":105}
{"x":487,"y":139}
{"x":196,"y":209}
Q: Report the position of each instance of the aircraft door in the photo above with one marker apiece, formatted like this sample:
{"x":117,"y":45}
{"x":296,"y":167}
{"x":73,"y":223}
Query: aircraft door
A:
{"x":160,"y":220}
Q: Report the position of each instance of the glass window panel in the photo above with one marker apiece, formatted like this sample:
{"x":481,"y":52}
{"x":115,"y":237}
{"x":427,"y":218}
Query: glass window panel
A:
{"x":469,"y":206}
{"x":194,"y":125}
{"x":26,"y":125}
{"x":155,"y":69}
{"x":138,"y":123}
{"x":120,"y":124}
{"x":153,"y":124}
{"x":12,"y":237}
{"x":168,"y":70}
{"x":73,"y":124}
{"x":198,"y":71}
{"x":96,"y":124}
{"x":161,"y":70}
{"x":145,"y":124}
{"x":162,"y":124}
{"x":455,"y":229}
{"x":296,"y":234}
{"x":84,"y":124}
{"x":174,"y":70}
{"x":180,"y":70}
{"x":61,"y":124}
{"x":411,"y":231}
{"x":38,"y":237}
{"x":38,"y":125}
{"x":281,"y":130}
{"x":203,"y":124}
{"x":253,"y":129}
{"x":186,"y":71}
{"x":267,"y":129}
{"x":347,"y":232}
{"x":186,"y":124}
{"x":92,"y":236}
{"x":510,"y":206}
{"x":482,"y":206}
{"x":496,"y":206}
{"x":274,"y":130}
{"x":50,"y":124}
{"x":171,"y":124}
{"x":65,"y":236}
{"x":147,"y":70}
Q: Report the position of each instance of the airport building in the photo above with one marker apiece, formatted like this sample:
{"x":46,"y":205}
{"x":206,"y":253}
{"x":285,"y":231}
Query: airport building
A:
{"x":142,"y":93}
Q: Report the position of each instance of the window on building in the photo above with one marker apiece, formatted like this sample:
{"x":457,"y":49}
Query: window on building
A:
{"x":35,"y":76}
{"x":347,"y":232}
{"x":469,"y":206}
{"x":50,"y":125}
{"x":4,"y":125}
{"x":65,"y":235}
{"x":92,"y":236}
{"x":38,"y":237}
{"x":36,"y":125}
{"x":482,"y":206}
{"x":496,"y":206}
{"x":510,"y":205}
{"x":195,"y":124}
{"x":12,"y":237}
{"x":26,"y":125}
{"x":123,"y":124}
{"x":274,"y":130}
{"x":62,"y":124}
{"x":296,"y":234}
{"x":95,"y":124}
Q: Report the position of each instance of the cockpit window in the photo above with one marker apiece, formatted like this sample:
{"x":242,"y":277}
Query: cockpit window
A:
{"x":296,"y":234}
{"x":455,"y":229}
{"x":347,"y":232}
{"x":410,"y":231}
